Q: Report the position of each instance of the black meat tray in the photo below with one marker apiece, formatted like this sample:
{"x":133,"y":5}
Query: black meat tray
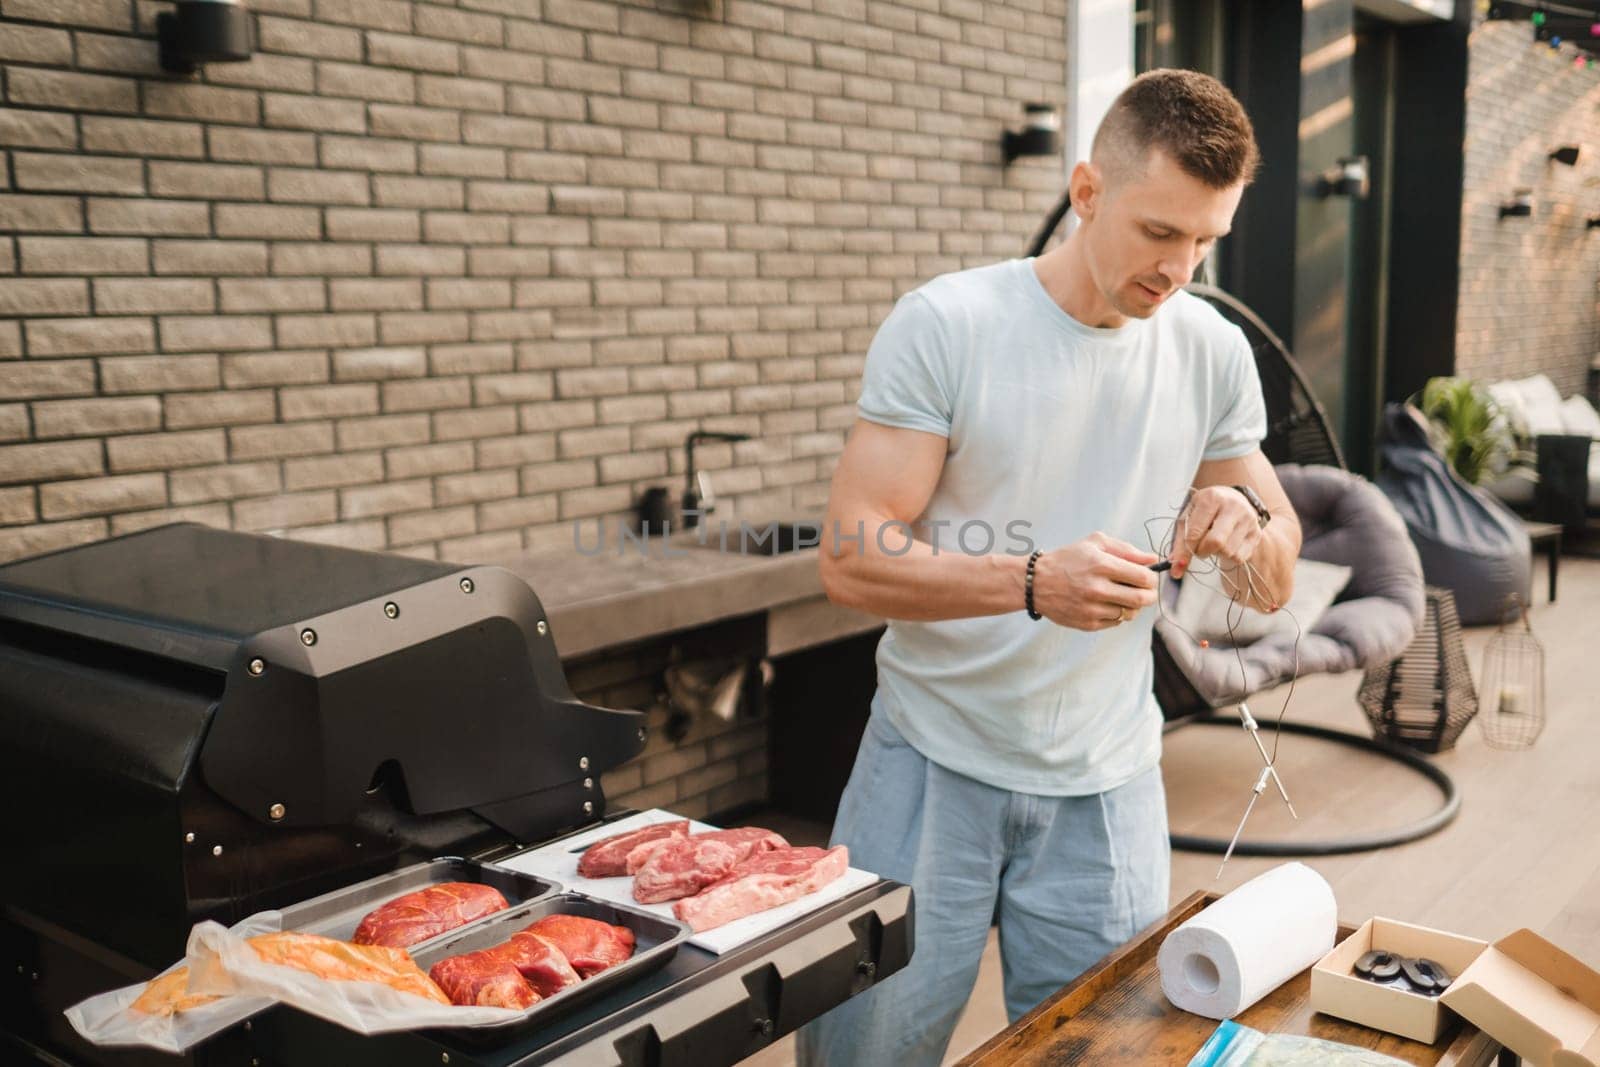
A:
{"x":337,"y":914}
{"x":656,"y":940}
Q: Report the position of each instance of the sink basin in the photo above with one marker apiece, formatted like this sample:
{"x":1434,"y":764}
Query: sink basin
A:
{"x":757,"y":538}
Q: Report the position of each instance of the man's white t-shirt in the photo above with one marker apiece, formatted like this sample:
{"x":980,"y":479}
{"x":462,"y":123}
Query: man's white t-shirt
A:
{"x":1056,"y":430}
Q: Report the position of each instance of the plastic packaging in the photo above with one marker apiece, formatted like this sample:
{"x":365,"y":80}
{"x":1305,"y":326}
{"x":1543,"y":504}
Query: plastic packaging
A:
{"x":1232,"y":1045}
{"x":221,"y":963}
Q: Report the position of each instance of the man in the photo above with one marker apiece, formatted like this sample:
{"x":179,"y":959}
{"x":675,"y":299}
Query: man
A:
{"x":1010,"y":768}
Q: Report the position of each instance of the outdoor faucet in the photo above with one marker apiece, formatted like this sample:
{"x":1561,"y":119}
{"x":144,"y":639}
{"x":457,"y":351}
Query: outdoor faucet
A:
{"x":697,"y":487}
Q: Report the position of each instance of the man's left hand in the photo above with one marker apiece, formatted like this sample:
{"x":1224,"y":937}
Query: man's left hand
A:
{"x":1218,"y":522}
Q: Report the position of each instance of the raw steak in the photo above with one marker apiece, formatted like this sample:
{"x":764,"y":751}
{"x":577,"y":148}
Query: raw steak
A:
{"x":589,"y":944}
{"x":429,"y":912}
{"x":765,"y":880}
{"x":540,"y":962}
{"x":608,"y":858}
{"x":682,"y":868}
{"x":485,"y":977}
{"x":483,"y":980}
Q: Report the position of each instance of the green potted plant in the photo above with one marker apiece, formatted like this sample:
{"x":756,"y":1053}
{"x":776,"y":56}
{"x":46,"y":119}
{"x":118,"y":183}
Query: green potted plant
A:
{"x":1468,"y":427}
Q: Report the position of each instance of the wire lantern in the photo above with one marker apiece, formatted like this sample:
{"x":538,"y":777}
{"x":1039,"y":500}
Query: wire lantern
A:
{"x":1513,"y":682}
{"x":1424,"y":699}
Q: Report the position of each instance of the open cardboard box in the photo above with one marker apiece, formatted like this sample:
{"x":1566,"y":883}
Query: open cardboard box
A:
{"x":1336,"y":990}
{"x":1523,"y":991}
{"x":1534,"y":999}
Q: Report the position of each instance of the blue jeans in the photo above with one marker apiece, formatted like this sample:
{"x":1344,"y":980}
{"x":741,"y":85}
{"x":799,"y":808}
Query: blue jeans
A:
{"x":1068,"y":879}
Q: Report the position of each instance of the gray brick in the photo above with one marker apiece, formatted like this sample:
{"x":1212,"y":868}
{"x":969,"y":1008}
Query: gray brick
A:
{"x":320,"y":258}
{"x":272,"y":294}
{"x":410,"y":327}
{"x":280,"y":221}
{"x":43,"y":378}
{"x":463,"y":26}
{"x":371,"y":14}
{"x":339,"y":331}
{"x":465,"y":94}
{"x":421,"y":460}
{"x":225,"y":482}
{"x":86,"y":417}
{"x":78,"y":174}
{"x":413,"y":53}
{"x":365,"y":82}
{"x":374,"y":364}
{"x":209,"y":257}
{"x":153,"y":295}
{"x":368,"y":153}
{"x":374,"y":294}
{"x":307,"y":186}
{"x":288,"y":509}
{"x":382,"y":431}
{"x":68,"y":89}
{"x":311,"y":113}
{"x":99,"y":496}
{"x":321,"y":401}
{"x":165,"y":218}
{"x":165,"y":451}
{"x":158,"y":374}
{"x":43,"y":296}
{"x":209,"y":103}
{"x":261,"y":146}
{"x":371,"y":224}
{"x":14,"y":422}
{"x":37,"y":129}
{"x":280,"y":440}
{"x":471,"y":423}
{"x":431,"y":525}
{"x":246,"y":370}
{"x":330,"y":472}
{"x":416,"y":123}
{"x":390,"y":499}
{"x":66,"y":337}
{"x":428,"y":394}
{"x":82,"y":255}
{"x":35,"y":44}
{"x":301,"y":38}
{"x":206,"y":514}
{"x":234,"y":407}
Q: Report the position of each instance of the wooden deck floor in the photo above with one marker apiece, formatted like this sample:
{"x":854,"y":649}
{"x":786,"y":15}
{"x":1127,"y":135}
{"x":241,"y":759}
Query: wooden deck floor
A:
{"x":1524,"y":851}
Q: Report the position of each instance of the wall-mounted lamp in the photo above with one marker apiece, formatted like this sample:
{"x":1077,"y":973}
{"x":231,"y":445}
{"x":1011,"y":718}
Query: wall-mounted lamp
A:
{"x":1040,"y":134}
{"x":1519,"y":206}
{"x":1348,"y":177}
{"x":204,"y":31}
{"x":1567,"y":153}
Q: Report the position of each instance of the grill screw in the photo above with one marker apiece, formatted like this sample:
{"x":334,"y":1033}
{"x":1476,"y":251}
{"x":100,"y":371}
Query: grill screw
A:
{"x":583,"y":763}
{"x":257,"y":665}
{"x":276,"y":812}
{"x":188,"y":838}
{"x":588,"y":807}
{"x":466,"y":585}
{"x":588,"y":783}
{"x":308,"y":637}
{"x":392,"y":610}
{"x":543,"y":628}
{"x":216,"y":850}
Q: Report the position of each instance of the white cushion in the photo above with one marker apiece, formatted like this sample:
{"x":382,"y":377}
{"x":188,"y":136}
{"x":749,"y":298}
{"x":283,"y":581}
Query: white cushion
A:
{"x":1204,"y":610}
{"x":1508,"y":397}
{"x":1580,"y":417}
{"x":1541,"y":406}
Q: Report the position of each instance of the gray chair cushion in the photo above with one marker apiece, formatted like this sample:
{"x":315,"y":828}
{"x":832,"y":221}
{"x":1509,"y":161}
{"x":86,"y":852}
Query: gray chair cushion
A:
{"x":1346,"y":520}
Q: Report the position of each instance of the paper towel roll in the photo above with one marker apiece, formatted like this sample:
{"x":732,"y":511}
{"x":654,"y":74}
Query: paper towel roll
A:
{"x":1250,"y":942}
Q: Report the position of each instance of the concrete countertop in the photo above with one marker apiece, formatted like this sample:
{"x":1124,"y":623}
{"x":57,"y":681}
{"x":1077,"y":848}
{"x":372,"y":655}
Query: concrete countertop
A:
{"x":616,"y":596}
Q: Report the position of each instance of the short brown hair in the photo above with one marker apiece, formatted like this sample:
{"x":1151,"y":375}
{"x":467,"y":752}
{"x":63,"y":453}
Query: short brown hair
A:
{"x":1191,"y":117}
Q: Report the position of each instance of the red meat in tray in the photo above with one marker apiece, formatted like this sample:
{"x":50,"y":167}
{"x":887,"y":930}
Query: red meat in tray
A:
{"x":481,"y":978}
{"x":428,"y":912}
{"x":589,"y":944}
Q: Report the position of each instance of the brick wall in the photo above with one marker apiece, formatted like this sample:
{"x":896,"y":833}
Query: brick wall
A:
{"x":444,"y":278}
{"x":1528,"y":285}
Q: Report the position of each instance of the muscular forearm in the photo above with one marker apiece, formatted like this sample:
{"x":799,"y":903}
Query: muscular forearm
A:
{"x":1268,"y":583}
{"x":922,"y":583}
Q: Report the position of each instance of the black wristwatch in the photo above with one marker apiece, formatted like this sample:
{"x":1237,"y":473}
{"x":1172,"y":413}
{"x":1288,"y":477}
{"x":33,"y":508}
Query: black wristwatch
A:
{"x":1262,"y":513}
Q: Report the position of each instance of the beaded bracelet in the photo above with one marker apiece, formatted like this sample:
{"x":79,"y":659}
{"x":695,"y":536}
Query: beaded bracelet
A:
{"x":1033,"y":561}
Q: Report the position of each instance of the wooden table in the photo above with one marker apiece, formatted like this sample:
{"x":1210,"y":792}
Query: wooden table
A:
{"x":1115,"y":1013}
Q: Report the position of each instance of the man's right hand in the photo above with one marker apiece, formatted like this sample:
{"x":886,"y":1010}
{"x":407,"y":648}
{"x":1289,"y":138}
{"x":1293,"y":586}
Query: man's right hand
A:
{"x":1094,"y":584}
